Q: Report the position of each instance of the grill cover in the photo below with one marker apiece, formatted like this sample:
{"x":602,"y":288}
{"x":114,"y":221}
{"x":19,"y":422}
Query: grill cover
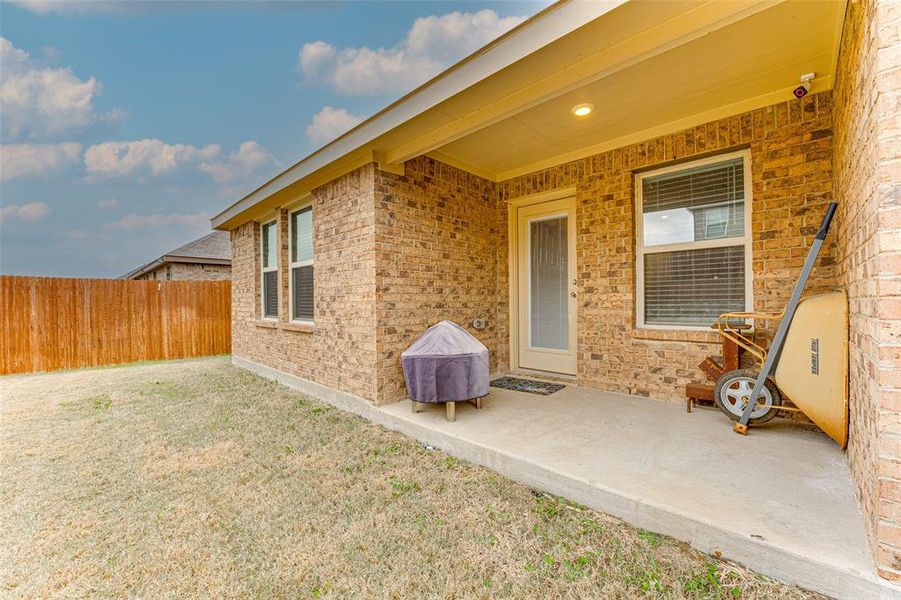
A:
{"x":446,"y":364}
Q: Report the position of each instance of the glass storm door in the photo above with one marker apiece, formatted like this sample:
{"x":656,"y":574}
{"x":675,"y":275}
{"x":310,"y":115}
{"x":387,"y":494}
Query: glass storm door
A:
{"x":547,"y":286}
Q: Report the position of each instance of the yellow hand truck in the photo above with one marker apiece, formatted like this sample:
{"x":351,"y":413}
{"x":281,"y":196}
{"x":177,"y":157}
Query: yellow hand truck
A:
{"x":807,"y":361}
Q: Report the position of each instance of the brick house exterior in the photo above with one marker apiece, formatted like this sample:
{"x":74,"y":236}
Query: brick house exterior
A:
{"x":432,"y":245}
{"x":187,"y":272}
{"x":208,"y":257}
{"x":340,"y":350}
{"x":397,"y":250}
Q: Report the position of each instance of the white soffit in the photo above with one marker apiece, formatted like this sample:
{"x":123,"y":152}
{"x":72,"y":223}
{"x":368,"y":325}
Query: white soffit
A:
{"x":748,"y":64}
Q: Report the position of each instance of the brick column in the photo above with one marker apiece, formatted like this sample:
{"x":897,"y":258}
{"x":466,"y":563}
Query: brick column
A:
{"x":888,"y":288}
{"x":868,"y":227}
{"x":284,"y":231}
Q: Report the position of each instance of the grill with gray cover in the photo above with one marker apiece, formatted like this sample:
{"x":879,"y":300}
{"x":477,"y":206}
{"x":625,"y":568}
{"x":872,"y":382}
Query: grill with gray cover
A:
{"x":446,"y":365}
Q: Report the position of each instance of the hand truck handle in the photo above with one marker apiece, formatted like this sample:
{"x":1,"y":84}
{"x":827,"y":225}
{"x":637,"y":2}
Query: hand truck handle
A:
{"x":772,"y":357}
{"x":827,"y":219}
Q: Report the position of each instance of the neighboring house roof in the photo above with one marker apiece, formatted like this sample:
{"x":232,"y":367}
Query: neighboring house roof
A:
{"x":650,"y":68}
{"x":212,"y":249}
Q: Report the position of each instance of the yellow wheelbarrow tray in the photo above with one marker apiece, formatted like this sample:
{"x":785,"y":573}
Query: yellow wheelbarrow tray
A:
{"x":812,"y":370}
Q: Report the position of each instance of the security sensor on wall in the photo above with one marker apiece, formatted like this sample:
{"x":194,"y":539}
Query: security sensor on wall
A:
{"x":804,"y":89}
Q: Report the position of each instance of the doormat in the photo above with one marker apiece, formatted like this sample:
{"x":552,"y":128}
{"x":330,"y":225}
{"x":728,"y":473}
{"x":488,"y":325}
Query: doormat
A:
{"x":527,"y":385}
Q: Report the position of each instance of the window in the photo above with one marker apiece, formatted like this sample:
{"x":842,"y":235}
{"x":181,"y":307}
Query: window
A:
{"x":302,"y":264}
{"x":269,"y":270}
{"x":694,"y":243}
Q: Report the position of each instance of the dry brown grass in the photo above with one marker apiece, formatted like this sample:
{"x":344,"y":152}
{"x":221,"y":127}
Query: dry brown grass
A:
{"x":193,"y":478}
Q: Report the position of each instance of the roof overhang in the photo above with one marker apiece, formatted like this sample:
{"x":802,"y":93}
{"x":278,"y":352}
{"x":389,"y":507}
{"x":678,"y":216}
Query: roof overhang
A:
{"x":354,"y":148}
{"x":649,"y":67}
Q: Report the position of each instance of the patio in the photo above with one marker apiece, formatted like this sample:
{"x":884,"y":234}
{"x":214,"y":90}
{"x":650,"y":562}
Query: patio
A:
{"x":780,"y":500}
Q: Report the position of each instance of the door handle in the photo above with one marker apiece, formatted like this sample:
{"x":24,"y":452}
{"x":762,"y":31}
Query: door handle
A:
{"x":573,"y":294}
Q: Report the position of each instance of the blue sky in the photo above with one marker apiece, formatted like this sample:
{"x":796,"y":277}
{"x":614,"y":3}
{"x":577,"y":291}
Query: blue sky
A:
{"x":124,"y":126}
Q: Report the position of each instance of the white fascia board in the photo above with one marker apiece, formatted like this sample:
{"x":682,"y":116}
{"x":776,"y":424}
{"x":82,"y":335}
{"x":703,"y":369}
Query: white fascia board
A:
{"x":534,"y":34}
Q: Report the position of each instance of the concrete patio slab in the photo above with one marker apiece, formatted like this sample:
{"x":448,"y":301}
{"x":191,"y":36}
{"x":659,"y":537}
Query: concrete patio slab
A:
{"x":779,"y":501}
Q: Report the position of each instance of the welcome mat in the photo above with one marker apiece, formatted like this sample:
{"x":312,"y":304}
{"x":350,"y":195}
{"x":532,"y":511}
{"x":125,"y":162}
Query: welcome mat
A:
{"x":527,"y":385}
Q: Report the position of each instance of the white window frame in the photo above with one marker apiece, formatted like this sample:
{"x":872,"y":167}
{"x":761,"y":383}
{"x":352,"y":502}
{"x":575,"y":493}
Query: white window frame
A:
{"x":302,"y":263}
{"x":269,"y":269}
{"x":641,"y":250}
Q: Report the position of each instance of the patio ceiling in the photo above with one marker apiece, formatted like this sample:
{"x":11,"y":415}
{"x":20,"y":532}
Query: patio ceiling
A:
{"x":648,"y":67}
{"x":748,"y":64}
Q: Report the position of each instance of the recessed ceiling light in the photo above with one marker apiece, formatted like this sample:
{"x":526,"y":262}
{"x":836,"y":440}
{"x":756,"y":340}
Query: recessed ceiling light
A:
{"x":664,"y":216}
{"x":582,"y":110}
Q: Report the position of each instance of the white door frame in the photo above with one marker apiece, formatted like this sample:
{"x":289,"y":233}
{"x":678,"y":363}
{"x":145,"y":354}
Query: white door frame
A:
{"x":513,"y":207}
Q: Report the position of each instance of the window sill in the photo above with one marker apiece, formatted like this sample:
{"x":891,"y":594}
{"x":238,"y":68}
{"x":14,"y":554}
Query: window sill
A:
{"x":298,"y":327}
{"x":677,"y":335}
{"x":266,"y":323}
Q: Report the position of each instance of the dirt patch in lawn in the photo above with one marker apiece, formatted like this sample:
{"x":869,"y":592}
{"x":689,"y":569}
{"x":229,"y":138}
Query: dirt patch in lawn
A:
{"x":193,"y":478}
{"x":164,"y":461}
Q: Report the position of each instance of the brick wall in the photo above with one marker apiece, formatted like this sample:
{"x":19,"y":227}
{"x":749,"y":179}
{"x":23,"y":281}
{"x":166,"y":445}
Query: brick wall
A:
{"x":441,"y":240}
{"x":188,"y":272}
{"x":791,"y":169}
{"x":339,"y":350}
{"x":436,"y":258}
{"x":867,"y":149}
{"x":438,"y":237}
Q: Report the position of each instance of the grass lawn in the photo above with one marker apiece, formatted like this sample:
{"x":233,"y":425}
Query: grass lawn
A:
{"x":193,"y":478}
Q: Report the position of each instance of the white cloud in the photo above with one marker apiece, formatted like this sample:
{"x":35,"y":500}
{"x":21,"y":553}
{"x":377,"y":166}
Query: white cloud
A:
{"x":36,"y":160}
{"x":669,"y":226}
{"x":125,"y":7}
{"x":41,"y":103}
{"x":33,"y":211}
{"x":432,"y":44}
{"x":41,"y":7}
{"x":135,"y":222}
{"x":109,"y":203}
{"x":140,"y":157}
{"x":329,"y":123}
{"x":316,"y":58}
{"x":239,"y":165}
{"x":12,"y":57}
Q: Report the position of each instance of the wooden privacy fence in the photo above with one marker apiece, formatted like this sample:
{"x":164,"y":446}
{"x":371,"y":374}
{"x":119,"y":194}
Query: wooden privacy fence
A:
{"x":53,"y":323}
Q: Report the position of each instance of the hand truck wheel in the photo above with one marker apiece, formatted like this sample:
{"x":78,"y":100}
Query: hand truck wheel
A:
{"x":733,"y":390}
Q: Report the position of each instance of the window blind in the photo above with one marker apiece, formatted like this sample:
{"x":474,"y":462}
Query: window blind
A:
{"x":722,"y":183}
{"x":270,"y":294}
{"x":693,"y":287}
{"x":268,"y":254}
{"x":302,"y":308}
{"x":548,"y":302}
{"x":269,"y":265}
{"x":302,"y":235}
{"x":693,"y":243}
{"x":303,"y":292}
